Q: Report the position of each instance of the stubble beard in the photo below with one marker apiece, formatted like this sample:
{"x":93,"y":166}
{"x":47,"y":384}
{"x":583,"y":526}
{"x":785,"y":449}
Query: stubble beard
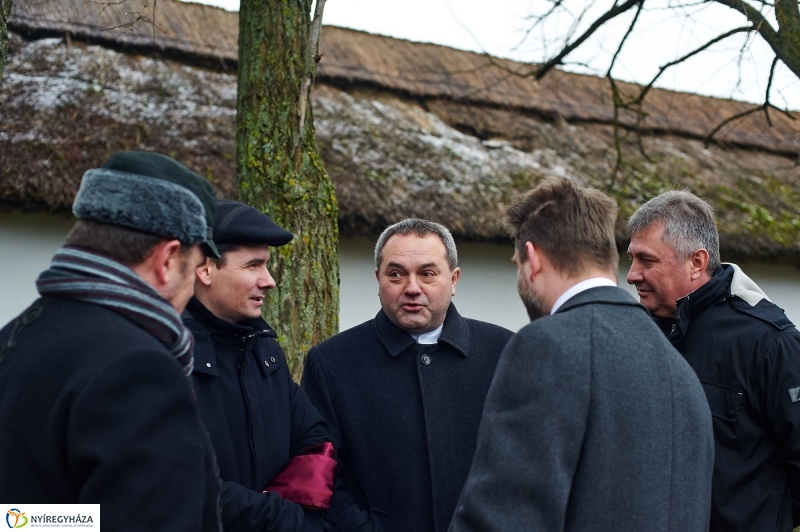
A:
{"x":532,"y":303}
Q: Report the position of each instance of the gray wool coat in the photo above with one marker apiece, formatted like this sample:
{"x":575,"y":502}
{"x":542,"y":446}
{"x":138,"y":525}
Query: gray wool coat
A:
{"x":593,"y":423}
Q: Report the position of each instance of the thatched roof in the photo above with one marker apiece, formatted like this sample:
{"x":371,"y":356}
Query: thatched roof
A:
{"x":414,"y":69}
{"x":179,"y":29}
{"x":405,"y":129}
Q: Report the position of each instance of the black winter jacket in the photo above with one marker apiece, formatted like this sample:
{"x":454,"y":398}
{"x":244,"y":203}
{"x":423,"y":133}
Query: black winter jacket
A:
{"x":257,"y":417}
{"x":746,"y":353}
{"x":404,"y":418}
{"x":95,"y":410}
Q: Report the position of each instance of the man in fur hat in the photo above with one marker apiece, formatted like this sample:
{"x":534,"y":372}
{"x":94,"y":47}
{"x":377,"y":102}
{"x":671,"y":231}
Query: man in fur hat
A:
{"x":96,"y":402}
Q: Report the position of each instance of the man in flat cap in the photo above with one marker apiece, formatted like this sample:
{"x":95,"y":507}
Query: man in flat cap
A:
{"x":96,"y":403}
{"x":275,"y":459}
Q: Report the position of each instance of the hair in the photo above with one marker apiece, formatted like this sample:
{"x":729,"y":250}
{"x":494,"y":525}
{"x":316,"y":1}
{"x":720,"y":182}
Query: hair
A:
{"x":224,"y":249}
{"x":128,"y":246}
{"x":574,"y":226}
{"x":688,"y":224}
{"x":420,"y":228}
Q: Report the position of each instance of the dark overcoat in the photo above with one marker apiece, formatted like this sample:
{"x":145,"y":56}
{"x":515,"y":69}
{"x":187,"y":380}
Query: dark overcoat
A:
{"x":593,"y":423}
{"x":256,"y":415}
{"x":95,"y":410}
{"x":404,"y":418}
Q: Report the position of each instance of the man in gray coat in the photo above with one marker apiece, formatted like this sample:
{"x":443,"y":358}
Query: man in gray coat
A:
{"x":593,"y":421}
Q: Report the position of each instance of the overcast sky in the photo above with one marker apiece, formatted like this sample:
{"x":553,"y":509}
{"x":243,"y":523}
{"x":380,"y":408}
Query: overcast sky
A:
{"x":660,"y":37}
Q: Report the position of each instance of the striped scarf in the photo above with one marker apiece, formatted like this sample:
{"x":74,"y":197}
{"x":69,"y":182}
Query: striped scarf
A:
{"x":85,"y":276}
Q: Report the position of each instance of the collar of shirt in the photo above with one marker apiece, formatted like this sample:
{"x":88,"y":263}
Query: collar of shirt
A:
{"x":594,"y":282}
{"x":430,"y":337}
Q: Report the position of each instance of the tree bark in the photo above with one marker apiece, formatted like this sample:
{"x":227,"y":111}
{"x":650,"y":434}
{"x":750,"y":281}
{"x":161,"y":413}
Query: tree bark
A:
{"x":5,"y":11}
{"x":785,"y":41}
{"x":788,"y":15}
{"x":279,"y":169}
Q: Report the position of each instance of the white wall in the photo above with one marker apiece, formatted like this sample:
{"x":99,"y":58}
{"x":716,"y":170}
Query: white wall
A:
{"x":485,"y":291}
{"x":27,"y":242}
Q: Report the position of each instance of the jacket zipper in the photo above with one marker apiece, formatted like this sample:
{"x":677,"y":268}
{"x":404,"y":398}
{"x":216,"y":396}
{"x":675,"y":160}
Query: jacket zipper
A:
{"x":244,"y":363}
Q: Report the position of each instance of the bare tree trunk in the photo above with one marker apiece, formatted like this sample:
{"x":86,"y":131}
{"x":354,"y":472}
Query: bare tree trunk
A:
{"x":279,"y":169}
{"x":5,"y":11}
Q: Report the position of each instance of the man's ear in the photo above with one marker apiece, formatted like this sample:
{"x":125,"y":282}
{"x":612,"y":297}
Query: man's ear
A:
{"x":534,"y":260}
{"x":203,"y":272}
{"x":166,"y":260}
{"x":454,"y":279}
{"x":699,"y":263}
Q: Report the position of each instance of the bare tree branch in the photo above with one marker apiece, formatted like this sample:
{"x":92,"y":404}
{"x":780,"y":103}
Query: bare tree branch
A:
{"x":769,"y":87}
{"x":728,"y":120}
{"x":617,"y":140}
{"x":628,"y":105}
{"x":109,"y":3}
{"x":155,"y":3}
{"x":608,"y":15}
{"x":583,"y":64}
{"x":616,"y":98}
{"x":767,"y":102}
{"x":694,"y":52}
{"x":763,"y":107}
{"x":536,"y":21}
{"x":682,"y":6}
{"x":625,"y":38}
{"x":140,"y":16}
{"x":577,"y":22}
{"x":312,"y":57}
{"x":762,"y":25}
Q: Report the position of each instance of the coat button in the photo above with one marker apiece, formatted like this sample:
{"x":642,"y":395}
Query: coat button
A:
{"x":208,"y":364}
{"x":426,"y":360}
{"x":266,"y":363}
{"x":272,"y":359}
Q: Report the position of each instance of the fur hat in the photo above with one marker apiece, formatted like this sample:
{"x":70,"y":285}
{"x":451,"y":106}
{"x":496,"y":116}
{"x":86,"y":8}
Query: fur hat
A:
{"x":151,"y":193}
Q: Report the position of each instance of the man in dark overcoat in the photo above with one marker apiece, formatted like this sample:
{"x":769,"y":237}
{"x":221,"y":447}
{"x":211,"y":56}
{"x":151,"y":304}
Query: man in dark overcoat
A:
{"x":403,"y":392}
{"x":260,"y":421}
{"x":96,"y":402}
{"x":593,"y":422}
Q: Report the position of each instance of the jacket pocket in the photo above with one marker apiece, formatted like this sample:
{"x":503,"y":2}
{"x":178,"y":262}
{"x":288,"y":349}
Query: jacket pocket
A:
{"x":724,"y":402}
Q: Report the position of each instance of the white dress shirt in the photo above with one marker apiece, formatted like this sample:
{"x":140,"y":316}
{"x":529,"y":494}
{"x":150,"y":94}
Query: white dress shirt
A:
{"x":594,"y":282}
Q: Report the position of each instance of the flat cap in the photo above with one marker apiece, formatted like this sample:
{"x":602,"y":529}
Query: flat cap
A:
{"x":238,"y":223}
{"x":151,"y":193}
